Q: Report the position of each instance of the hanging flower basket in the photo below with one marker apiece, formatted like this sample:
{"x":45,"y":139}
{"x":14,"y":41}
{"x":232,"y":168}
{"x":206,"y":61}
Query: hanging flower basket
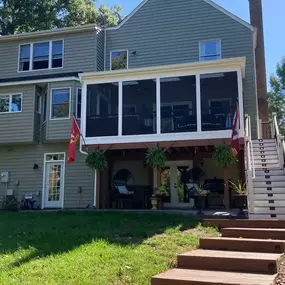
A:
{"x":96,"y":160}
{"x":156,"y":157}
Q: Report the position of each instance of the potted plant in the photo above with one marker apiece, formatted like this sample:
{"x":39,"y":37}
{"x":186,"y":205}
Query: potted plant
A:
{"x":200,"y":198}
{"x":240,"y":196}
{"x":224,"y":158}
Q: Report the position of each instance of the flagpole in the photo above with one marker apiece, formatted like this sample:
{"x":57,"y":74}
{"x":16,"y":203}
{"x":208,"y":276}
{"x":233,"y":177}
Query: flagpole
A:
{"x":84,"y":142}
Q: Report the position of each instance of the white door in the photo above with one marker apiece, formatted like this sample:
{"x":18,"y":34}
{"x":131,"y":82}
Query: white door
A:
{"x":54,"y":185}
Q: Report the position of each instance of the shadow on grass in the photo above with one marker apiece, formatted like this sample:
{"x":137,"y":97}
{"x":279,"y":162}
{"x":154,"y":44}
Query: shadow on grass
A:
{"x":59,"y":232}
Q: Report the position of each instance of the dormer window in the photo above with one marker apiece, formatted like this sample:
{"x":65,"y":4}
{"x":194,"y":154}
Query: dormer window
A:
{"x":42,"y":55}
{"x":210,"y":50}
{"x":119,"y":59}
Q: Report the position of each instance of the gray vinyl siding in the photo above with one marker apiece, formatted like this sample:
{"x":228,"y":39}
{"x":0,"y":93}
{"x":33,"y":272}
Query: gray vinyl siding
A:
{"x":167,"y":32}
{"x":100,"y":50}
{"x":59,"y":130}
{"x":19,"y":161}
{"x":79,"y":55}
{"x":18,"y":127}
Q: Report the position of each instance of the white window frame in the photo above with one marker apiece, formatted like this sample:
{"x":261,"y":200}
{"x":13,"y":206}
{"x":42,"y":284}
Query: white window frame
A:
{"x":77,"y":89}
{"x":32,"y":55}
{"x":10,"y":103}
{"x":50,"y":105}
{"x":210,"y":41}
{"x":119,"y":50}
{"x":44,"y":175}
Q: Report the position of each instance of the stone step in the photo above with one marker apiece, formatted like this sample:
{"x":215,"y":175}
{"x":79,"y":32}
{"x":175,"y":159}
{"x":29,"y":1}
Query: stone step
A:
{"x":268,"y":190}
{"x":203,"y":277}
{"x":256,"y":233}
{"x":245,"y":245}
{"x":266,"y":197}
{"x":273,"y":184}
{"x":270,"y":203}
{"x":248,"y":262}
{"x":278,"y":172}
{"x":269,"y":178}
{"x":221,"y":223}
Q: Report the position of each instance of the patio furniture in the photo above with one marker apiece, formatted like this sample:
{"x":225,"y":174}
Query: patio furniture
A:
{"x":124,"y":197}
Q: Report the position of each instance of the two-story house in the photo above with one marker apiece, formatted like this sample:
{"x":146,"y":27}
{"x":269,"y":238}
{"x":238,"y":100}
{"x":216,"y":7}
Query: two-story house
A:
{"x":170,"y":74}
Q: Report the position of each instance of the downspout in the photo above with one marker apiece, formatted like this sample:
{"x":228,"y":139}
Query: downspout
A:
{"x":105,"y":48}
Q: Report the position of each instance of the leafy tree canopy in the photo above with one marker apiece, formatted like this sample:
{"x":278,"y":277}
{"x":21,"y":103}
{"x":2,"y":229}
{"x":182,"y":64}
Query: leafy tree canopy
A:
{"x":18,"y":16}
{"x":276,"y":96}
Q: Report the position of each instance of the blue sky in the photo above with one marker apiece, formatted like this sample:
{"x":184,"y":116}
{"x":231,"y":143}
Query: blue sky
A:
{"x":273,"y":13}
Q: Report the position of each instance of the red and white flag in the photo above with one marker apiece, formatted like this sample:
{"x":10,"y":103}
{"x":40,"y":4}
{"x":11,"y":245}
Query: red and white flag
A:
{"x":74,"y":138}
{"x":235,"y":146}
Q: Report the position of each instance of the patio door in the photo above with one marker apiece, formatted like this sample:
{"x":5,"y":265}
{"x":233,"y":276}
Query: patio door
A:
{"x":172,"y":181}
{"x":54,"y":184}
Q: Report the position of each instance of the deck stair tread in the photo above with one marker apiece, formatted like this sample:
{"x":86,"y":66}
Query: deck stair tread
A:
{"x":197,"y":277}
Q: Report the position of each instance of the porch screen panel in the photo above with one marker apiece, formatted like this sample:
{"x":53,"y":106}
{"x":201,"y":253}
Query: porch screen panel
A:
{"x":139,"y":107}
{"x":219,"y":96}
{"x":178,"y":104}
{"x":102,"y":110}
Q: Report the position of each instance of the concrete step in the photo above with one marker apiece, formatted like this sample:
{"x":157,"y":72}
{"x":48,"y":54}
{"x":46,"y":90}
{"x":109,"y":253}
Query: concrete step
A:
{"x":256,"y":233}
{"x":245,"y":245}
{"x":269,"y":178}
{"x":221,"y":223}
{"x":203,"y":277}
{"x":278,"y":172}
{"x":248,"y":262}
{"x":273,"y":184}
{"x":266,"y":197}
{"x":270,"y":203}
{"x":268,"y":190}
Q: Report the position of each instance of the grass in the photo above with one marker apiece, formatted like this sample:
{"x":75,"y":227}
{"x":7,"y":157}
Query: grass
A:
{"x":112,"y":248}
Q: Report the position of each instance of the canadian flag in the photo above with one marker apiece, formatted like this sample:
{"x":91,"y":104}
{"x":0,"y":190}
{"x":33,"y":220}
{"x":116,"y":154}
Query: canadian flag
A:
{"x":74,"y":138}
{"x":235,"y":133}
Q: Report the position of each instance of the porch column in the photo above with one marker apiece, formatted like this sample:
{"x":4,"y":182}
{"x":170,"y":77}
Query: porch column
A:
{"x":96,"y":203}
{"x":240,"y":99}
{"x":198,"y":103}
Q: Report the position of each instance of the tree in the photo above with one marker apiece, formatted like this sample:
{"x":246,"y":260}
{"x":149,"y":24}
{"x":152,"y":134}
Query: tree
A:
{"x":276,"y":96}
{"x":17,"y":16}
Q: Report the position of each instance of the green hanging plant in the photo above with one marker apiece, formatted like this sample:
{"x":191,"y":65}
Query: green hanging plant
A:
{"x":96,"y":160}
{"x":156,"y":157}
{"x":223,"y":156}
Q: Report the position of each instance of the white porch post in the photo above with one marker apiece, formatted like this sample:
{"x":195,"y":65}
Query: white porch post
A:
{"x":198,"y":103}
{"x":120,"y":110}
{"x":240,"y":99}
{"x":158,"y":104}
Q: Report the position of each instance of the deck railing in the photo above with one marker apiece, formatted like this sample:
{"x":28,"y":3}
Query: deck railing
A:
{"x":279,"y":140}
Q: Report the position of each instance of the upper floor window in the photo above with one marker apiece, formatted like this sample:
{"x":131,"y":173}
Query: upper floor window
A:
{"x":78,"y":103}
{"x":11,"y":103}
{"x":119,"y":60}
{"x":43,"y":55}
{"x":210,"y":50}
{"x":60,"y":103}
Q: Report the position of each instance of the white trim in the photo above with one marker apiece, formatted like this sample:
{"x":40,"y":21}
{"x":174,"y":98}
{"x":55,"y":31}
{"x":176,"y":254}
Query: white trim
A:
{"x":119,"y":50}
{"x":76,"y":102}
{"x":187,"y":136}
{"x":95,"y":188}
{"x":31,"y":44}
{"x":120,"y":110}
{"x":158,"y":105}
{"x":240,"y":99}
{"x":203,"y":67}
{"x":39,"y":110}
{"x":44,"y":176}
{"x":198,"y":103}
{"x":10,"y":103}
{"x":48,"y":80}
{"x":50,"y":104}
{"x":210,"y":41}
{"x":210,"y":2}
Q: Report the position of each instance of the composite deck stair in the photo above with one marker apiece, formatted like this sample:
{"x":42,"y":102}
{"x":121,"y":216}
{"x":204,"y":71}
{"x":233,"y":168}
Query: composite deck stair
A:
{"x":268,"y":194}
{"x":249,"y":256}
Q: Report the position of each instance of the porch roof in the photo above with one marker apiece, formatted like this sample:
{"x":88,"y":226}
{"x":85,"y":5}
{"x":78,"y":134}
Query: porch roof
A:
{"x":203,"y":67}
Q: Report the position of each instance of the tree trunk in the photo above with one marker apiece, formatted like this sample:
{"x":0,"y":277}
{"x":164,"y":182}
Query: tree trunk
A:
{"x":226,"y":189}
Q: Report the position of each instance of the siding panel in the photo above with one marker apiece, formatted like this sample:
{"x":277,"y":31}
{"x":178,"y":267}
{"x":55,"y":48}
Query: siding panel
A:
{"x":166,"y":32}
{"x":19,"y":161}
{"x":79,"y":55}
{"x":19,"y":127}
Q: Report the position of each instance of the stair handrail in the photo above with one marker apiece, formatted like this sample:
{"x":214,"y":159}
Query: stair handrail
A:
{"x":279,"y":140}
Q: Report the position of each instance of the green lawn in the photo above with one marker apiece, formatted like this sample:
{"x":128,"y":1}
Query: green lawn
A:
{"x":97,"y":248}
